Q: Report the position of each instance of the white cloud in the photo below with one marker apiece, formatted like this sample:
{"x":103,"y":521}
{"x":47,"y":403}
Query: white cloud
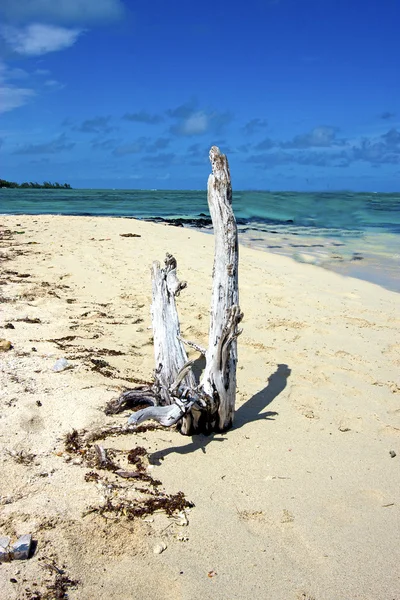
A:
{"x":319,"y":137}
{"x":196,"y":123}
{"x":53,"y":84}
{"x":11,"y":96}
{"x":189,"y":121}
{"x":61,"y":11}
{"x":38,"y":39}
{"x":17,"y":74}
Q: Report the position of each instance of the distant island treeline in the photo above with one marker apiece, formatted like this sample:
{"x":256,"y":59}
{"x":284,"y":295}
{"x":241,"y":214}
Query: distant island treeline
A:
{"x":46,"y":185}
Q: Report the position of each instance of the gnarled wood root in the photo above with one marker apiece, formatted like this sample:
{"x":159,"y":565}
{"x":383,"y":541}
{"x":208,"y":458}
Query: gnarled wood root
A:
{"x":143,"y":395}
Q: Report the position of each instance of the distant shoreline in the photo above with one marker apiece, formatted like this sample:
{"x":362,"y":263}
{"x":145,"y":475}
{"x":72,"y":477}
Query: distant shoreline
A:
{"x":46,"y":185}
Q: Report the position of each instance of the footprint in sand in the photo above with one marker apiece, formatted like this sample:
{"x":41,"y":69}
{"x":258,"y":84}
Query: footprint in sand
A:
{"x":287,"y":516}
{"x":350,"y":423}
{"x":304,"y":596}
{"x":251,"y":515}
{"x":32,"y":424}
{"x":305,"y":402}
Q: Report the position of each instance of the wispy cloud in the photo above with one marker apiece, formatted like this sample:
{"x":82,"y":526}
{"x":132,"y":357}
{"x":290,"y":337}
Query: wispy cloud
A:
{"x":17,"y":74}
{"x":319,"y":137}
{"x":322,"y":149}
{"x":108,"y":144}
{"x":255,"y":126}
{"x":143,"y":117}
{"x":266,"y":144}
{"x":158,"y":144}
{"x":387,"y":115}
{"x":39,"y":161}
{"x":313,"y":158}
{"x":195,"y":124}
{"x":54,"y":85}
{"x":392,"y":138}
{"x":142,"y":144}
{"x":62,"y":11}
{"x":196,"y":151}
{"x":190,"y":121}
{"x":378,"y":151}
{"x":96,"y":125}
{"x":244,"y":148}
{"x":59,"y":144}
{"x":38,"y":39}
{"x":183,"y":111}
{"x":197,"y":154}
{"x":12,"y":96}
{"x":161,"y":160}
{"x":133,"y":148}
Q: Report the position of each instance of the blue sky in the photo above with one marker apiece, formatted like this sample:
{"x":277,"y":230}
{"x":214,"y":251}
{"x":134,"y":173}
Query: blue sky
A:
{"x":300,"y":94}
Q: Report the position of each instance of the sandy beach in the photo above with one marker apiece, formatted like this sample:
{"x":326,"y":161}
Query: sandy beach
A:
{"x":299,"y":501}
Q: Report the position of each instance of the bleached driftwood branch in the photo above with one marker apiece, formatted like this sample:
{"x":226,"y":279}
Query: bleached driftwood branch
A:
{"x":195,"y":346}
{"x":175,"y":397}
{"x":219,"y":377}
{"x":169,"y":352}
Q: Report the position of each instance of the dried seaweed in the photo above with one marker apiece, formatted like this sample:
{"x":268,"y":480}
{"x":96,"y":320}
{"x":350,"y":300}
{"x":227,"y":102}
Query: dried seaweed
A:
{"x":99,"y":363}
{"x":99,"y":314}
{"x":134,"y":457}
{"x":92,"y":476}
{"x":73,"y":441}
{"x":21,"y":457}
{"x":60,"y":342}
{"x":62,"y":583}
{"x":135,"y":453}
{"x":54,"y":590}
{"x":139,"y":381}
{"x":109,"y":352}
{"x":102,"y":460}
{"x":103,"y":367}
{"x":61,"y":586}
{"x":29,"y":320}
{"x":102,"y":432}
{"x":168,"y":503}
{"x":148,"y":495}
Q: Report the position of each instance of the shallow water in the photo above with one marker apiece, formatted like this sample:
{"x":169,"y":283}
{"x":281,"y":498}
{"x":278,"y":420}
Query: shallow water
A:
{"x":354,"y":234}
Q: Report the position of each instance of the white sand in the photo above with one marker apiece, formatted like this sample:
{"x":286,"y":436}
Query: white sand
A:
{"x":299,"y":501}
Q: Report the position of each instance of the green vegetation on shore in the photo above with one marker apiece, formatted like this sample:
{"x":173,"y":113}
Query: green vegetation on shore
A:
{"x":34,"y":185}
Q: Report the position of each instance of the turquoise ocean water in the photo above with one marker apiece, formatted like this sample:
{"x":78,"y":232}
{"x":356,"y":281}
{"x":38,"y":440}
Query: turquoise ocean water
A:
{"x":355,"y":234}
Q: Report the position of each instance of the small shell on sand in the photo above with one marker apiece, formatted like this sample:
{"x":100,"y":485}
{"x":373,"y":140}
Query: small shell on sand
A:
{"x":160,"y":548}
{"x":5,"y":345}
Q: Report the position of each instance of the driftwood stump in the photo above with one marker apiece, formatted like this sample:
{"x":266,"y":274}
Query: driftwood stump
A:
{"x":176,"y":397}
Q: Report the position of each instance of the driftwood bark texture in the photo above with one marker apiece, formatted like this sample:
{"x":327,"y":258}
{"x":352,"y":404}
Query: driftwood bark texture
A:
{"x":175,"y":396}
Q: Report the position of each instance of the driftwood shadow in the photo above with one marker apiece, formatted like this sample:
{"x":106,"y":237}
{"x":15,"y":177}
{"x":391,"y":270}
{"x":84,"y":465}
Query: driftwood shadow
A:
{"x":252,"y":409}
{"x":198,"y":367}
{"x":249,"y":412}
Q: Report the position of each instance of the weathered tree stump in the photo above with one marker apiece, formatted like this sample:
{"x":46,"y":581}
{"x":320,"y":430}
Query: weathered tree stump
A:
{"x":176,"y":397}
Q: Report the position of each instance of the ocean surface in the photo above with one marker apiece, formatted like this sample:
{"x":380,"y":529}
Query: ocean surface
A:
{"x":356,"y":234}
